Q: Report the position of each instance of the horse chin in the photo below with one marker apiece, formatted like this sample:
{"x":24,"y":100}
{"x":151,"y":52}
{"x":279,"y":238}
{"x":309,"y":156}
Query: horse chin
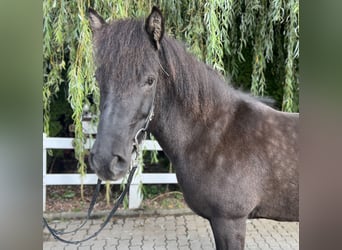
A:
{"x":113,"y":174}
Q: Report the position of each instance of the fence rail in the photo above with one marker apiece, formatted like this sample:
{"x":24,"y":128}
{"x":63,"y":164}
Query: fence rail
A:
{"x":135,"y":196}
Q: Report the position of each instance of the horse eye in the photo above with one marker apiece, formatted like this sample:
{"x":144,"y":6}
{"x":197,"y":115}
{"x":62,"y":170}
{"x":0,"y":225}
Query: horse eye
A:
{"x":150,"y":80}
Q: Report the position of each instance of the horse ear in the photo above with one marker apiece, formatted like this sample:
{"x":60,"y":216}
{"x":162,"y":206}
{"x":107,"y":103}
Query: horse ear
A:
{"x":95,"y":20}
{"x":154,"y":26}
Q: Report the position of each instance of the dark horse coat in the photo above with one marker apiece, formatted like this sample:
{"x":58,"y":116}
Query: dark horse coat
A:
{"x":235,"y":158}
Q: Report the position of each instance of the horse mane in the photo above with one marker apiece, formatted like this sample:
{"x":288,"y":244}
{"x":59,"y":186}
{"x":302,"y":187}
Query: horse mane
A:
{"x":195,"y":84}
{"x":190,"y":81}
{"x":124,"y":45}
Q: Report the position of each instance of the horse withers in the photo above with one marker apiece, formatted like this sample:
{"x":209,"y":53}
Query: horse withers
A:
{"x":235,"y":157}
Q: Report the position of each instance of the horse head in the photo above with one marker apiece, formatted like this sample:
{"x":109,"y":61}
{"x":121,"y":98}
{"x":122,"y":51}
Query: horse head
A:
{"x":127,"y":72}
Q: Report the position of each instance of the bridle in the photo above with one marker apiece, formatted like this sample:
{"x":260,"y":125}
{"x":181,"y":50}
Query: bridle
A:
{"x":134,"y":165}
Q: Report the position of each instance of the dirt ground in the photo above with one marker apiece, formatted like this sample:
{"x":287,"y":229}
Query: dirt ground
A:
{"x":69,"y":199}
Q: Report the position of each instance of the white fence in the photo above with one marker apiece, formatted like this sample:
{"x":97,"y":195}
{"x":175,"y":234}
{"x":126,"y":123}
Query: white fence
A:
{"x":135,"y":197}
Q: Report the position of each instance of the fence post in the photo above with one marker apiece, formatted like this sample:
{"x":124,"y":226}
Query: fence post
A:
{"x":135,"y":196}
{"x":44,"y":172}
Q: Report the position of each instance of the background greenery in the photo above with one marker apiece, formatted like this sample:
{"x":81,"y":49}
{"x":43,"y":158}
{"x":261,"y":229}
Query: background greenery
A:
{"x":254,"y":42}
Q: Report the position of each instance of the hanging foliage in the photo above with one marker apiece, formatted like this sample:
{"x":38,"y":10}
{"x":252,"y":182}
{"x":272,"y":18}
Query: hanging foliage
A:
{"x":256,"y":42}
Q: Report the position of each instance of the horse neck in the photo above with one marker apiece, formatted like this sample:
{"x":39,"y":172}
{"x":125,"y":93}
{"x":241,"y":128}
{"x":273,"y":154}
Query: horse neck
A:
{"x":175,"y":125}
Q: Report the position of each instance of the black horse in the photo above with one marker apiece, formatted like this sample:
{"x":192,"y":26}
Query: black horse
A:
{"x":235,"y":157}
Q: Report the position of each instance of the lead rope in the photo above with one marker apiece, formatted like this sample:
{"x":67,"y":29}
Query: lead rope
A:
{"x":90,"y":209}
{"x":134,"y":165}
{"x":56,"y":233}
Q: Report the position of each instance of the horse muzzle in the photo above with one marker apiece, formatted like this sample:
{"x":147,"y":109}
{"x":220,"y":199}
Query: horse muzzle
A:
{"x":110,"y":169}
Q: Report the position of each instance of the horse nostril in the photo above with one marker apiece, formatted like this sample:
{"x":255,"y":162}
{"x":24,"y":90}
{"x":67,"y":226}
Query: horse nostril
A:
{"x":118,"y":161}
{"x":115,"y":160}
